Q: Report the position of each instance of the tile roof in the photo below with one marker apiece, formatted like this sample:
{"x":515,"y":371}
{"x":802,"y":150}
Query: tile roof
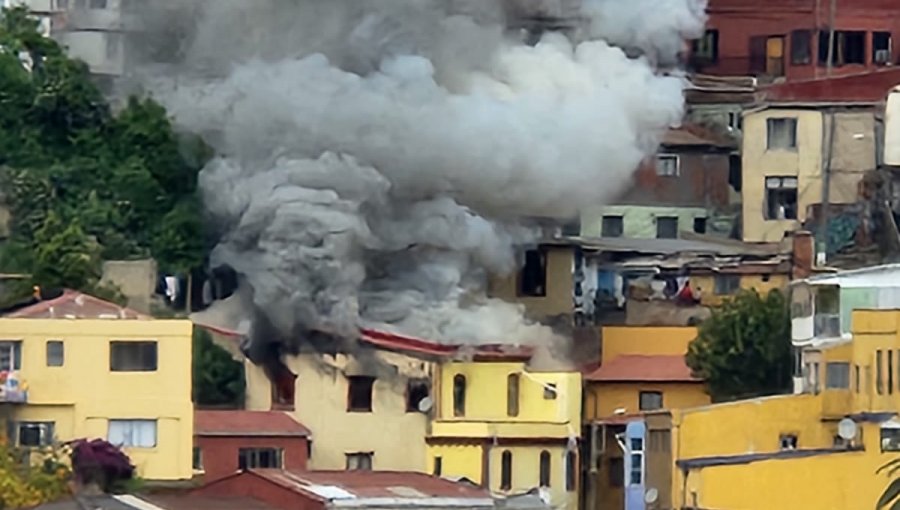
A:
{"x":247,"y":423}
{"x":628,"y":368}
{"x":394,"y":341}
{"x":75,"y":305}
{"x":695,"y":135}
{"x":337,"y":485}
{"x":195,"y":502}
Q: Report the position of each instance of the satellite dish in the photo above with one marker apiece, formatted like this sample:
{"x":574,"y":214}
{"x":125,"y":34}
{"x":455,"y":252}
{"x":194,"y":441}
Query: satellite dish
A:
{"x":651,"y":496}
{"x":425,"y":404}
{"x":847,"y":429}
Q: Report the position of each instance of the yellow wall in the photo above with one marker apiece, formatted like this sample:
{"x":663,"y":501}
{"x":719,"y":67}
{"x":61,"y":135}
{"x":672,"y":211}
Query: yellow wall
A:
{"x":706,"y":284}
{"x":559,"y":296}
{"x":321,"y":405}
{"x":603,"y":399}
{"x":460,"y":459}
{"x":646,"y":340}
{"x":83,"y":394}
{"x":804,"y":162}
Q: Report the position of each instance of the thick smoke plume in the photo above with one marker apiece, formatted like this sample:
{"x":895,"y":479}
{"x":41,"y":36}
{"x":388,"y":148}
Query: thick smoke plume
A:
{"x":380,"y":158}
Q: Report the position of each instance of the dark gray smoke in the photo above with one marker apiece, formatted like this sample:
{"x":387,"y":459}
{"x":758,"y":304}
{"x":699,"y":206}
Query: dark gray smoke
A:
{"x":379,"y":158}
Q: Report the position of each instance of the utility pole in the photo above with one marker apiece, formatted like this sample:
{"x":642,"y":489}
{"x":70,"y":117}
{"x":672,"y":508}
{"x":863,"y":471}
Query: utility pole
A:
{"x":815,"y":34}
{"x":822,"y":240}
{"x":831,"y":17}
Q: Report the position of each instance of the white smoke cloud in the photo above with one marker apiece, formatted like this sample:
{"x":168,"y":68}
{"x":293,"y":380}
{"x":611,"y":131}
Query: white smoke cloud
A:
{"x":380,"y":158}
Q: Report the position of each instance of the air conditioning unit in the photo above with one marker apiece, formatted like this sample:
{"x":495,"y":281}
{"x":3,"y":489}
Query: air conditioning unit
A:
{"x":882,"y":56}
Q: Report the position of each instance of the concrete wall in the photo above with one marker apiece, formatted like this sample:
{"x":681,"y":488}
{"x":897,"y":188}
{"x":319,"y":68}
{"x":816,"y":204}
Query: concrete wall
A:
{"x":603,"y":399}
{"x":558,"y":299}
{"x":706,"y":285}
{"x":81,"y":396}
{"x":136,"y":279}
{"x":219,"y":455}
{"x":639,"y":221}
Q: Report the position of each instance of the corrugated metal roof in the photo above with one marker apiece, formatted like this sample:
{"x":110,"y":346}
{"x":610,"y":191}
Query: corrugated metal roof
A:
{"x":670,"y":246}
{"x":869,"y":87}
{"x":247,"y":423}
{"x":76,"y":305}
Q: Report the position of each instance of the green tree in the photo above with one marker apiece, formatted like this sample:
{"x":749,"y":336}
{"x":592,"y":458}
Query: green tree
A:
{"x":218,"y":379}
{"x":744,"y":349}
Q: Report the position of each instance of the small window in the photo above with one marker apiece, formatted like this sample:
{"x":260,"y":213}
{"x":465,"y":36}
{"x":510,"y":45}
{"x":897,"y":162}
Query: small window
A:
{"x":849,"y":47}
{"x":533,"y":277}
{"x":636,"y":475}
{"x":10,"y":356}
{"x":545,"y":469}
{"x":132,"y":433}
{"x":727,"y":284}
{"x":197,"y":463}
{"x":360,"y":461}
{"x":668,"y":165}
{"x":506,"y":470}
{"x":650,"y":400}
{"x":890,"y":372}
{"x":417,"y":390}
{"x":438,"y":466}
{"x":571,"y":471}
{"x":801,"y":47}
{"x":283,"y":385}
{"x":666,"y":227}
{"x":359,"y":394}
{"x":856,"y":378}
{"x":260,"y":458}
{"x":781,"y":198}
{"x":132,"y":356}
{"x":837,"y":376}
{"x":890,"y":439}
{"x":616,"y":472}
{"x":816,"y":379}
{"x":613,"y":226}
{"x":34,"y":434}
{"x":700,"y":225}
{"x":781,"y":134}
{"x":550,"y":391}
{"x":788,"y":441}
{"x":572,"y":228}
{"x":459,"y":395}
{"x":55,"y":353}
{"x":512,"y":395}
{"x":881,"y":48}
{"x":706,"y":49}
{"x":879,"y":377}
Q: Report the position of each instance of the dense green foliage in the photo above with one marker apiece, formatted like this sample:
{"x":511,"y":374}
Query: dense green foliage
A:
{"x":744,"y":349}
{"x":218,"y":379}
{"x":85,"y":185}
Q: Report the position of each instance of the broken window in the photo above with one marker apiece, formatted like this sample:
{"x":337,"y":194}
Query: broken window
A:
{"x":700,"y":225}
{"x":550,"y":391}
{"x":506,"y":470}
{"x":512,"y":395}
{"x":459,"y":395}
{"x":781,"y":133}
{"x":881,"y":48}
{"x":650,"y":400}
{"x":360,"y":461}
{"x":416,"y":391}
{"x":801,"y":47}
{"x":837,"y":376}
{"x":788,"y":441}
{"x":849,"y":47}
{"x":668,"y":165}
{"x":260,"y":458}
{"x":706,"y":49}
{"x":533,"y":277}
{"x":781,"y":198}
{"x":284,"y":384}
{"x":544,"y":476}
{"x":612,"y":226}
{"x":727,"y":284}
{"x":667,"y":227}
{"x":359,"y":394}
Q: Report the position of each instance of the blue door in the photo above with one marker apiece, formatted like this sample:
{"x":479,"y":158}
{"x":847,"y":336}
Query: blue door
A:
{"x":635,"y":472}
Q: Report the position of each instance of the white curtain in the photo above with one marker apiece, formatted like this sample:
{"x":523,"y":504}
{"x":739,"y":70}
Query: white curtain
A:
{"x":132,"y":433}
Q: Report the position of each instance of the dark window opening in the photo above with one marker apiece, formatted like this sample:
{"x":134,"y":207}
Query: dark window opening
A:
{"x":56,"y":353}
{"x":856,"y":377}
{"x":767,"y":55}
{"x":781,"y":133}
{"x":550,"y":391}
{"x":666,"y":227}
{"x":572,"y":228}
{"x":359,"y":394}
{"x":788,"y":441}
{"x":882,"y":49}
{"x":706,"y":49}
{"x":700,"y":225}
{"x":512,"y":395}
{"x":890,"y":372}
{"x":34,"y":434}
{"x":781,"y":198}
{"x":650,"y":401}
{"x":417,"y":390}
{"x":506,"y":470}
{"x":616,"y":472}
{"x":849,"y":47}
{"x":361,"y":461}
{"x":544,"y":478}
{"x":879,"y":379}
{"x":283,"y":384}
{"x":132,"y":356}
{"x":801,"y":47}
{"x":260,"y":458}
{"x":668,"y":165}
{"x":727,"y":284}
{"x":613,"y":226}
{"x":571,"y":471}
{"x":533,"y":277}
{"x":459,"y":395}
{"x":890,"y":439}
{"x":197,"y":462}
{"x":735,"y":176}
{"x":438,"y":466}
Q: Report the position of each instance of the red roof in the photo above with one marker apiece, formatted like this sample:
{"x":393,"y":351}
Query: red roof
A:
{"x":695,"y":135}
{"x":870,"y":87}
{"x":76,"y":305}
{"x":394,"y":341}
{"x":192,"y":502}
{"x":629,"y":368}
{"x":247,"y":423}
{"x":370,"y":484}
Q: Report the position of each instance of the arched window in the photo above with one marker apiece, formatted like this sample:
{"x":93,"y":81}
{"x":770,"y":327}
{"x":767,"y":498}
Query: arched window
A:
{"x":506,"y":470}
{"x":545,"y":469}
{"x":571,"y":471}
{"x":512,"y":395}
{"x":459,"y":395}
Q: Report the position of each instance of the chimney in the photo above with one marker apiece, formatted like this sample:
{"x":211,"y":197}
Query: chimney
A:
{"x":802,"y":254}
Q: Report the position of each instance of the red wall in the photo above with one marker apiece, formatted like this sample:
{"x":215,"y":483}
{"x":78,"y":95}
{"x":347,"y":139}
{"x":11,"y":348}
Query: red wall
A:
{"x":220,"y":454}
{"x":253,"y":486}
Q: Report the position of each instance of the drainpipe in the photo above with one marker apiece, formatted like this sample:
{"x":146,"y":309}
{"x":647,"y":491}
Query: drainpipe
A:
{"x":822,"y":242}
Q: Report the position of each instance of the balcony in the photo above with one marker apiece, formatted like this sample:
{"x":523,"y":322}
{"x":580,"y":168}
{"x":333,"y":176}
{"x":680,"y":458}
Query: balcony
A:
{"x":12,"y":389}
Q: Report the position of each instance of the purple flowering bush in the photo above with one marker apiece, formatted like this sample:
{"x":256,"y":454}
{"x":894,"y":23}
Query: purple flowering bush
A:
{"x":102,"y":463}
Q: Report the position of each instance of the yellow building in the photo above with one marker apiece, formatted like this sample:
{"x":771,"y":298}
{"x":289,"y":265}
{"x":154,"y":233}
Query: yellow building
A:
{"x":543,"y":284}
{"x":507,"y":427}
{"x":784,"y":147}
{"x":94,"y":370}
{"x":816,"y":450}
